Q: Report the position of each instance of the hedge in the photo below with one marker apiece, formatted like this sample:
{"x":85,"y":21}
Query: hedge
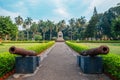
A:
{"x":102,"y":41}
{"x":111,"y":62}
{"x":7,"y":60}
{"x":24,"y":41}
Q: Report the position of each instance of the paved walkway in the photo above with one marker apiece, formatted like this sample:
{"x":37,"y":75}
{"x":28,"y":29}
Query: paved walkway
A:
{"x":60,"y":64}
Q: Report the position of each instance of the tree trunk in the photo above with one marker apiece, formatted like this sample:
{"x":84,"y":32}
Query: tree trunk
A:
{"x":27,"y":35}
{"x":16,"y":37}
{"x":50,"y":34}
{"x":33,"y":36}
{"x":71,"y":36}
{"x":44,"y":36}
{"x":0,"y":40}
{"x":6,"y":37}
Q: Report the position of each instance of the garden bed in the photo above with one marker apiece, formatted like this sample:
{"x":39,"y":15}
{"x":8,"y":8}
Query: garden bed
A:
{"x":7,"y":60}
{"x":111,"y":62}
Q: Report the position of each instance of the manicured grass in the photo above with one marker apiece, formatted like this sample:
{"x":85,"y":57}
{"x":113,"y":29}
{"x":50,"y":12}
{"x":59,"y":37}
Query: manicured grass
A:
{"x":111,"y":62}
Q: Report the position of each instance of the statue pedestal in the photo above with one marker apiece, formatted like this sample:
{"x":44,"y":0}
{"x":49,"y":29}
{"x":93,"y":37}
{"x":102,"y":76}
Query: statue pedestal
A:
{"x":60,"y":37}
{"x":91,"y":65}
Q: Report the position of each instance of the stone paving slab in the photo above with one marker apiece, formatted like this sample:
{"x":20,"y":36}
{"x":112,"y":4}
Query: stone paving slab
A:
{"x":61,"y":64}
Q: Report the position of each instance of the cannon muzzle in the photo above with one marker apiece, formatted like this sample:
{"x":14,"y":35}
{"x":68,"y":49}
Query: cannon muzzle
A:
{"x":96,"y":51}
{"x":21,"y":51}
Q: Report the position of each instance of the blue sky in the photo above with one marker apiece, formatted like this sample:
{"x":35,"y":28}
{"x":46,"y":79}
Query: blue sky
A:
{"x":54,"y":10}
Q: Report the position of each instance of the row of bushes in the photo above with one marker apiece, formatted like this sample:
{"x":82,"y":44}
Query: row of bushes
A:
{"x":7,"y":60}
{"x":24,"y":41}
{"x":102,"y":41}
{"x":40,"y":48}
{"x":111,"y":62}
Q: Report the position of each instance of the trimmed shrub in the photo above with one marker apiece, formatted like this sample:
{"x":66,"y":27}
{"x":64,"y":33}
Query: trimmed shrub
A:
{"x":76,"y":46}
{"x":39,"y":48}
{"x":111,"y":63}
{"x":86,"y":41}
{"x":38,"y":37}
{"x":7,"y":61}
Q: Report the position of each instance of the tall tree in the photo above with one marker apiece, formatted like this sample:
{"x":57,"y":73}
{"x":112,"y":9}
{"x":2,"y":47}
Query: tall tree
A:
{"x":34,"y":28}
{"x":19,"y":22}
{"x":116,"y":28}
{"x":27,"y":24}
{"x":7,"y":28}
{"x":72,"y":26}
{"x":91,"y":28}
{"x":80,"y":26}
{"x":43,"y":26}
{"x":50,"y":24}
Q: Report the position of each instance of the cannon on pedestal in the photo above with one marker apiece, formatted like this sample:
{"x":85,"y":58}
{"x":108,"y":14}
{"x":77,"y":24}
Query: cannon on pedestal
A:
{"x":27,"y":62}
{"x":21,"y":51}
{"x":89,"y":62}
{"x":96,"y":51}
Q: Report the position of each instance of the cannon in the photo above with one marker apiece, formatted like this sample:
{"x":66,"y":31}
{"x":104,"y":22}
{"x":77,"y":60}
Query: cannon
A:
{"x":103,"y":49}
{"x":21,"y":51}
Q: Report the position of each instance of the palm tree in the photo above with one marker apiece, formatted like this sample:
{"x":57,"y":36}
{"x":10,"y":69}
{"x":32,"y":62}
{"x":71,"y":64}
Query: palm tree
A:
{"x":51,"y":27}
{"x":72,"y":25}
{"x":34,"y":28}
{"x":19,"y":22}
{"x":61,"y":25}
{"x":43,"y":26}
{"x":27,"y":24}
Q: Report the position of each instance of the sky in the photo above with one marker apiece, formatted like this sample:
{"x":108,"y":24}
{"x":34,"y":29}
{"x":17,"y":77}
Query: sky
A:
{"x":54,"y":10}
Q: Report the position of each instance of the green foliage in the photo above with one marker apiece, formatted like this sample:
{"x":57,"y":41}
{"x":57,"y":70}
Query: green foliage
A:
{"x":39,"y":48}
{"x":111,"y":62}
{"x":91,"y":28}
{"x":23,"y":41}
{"x":7,"y":28}
{"x":76,"y":46}
{"x":86,"y":41}
{"x":116,"y":27}
{"x":7,"y":60}
{"x":38,"y":37}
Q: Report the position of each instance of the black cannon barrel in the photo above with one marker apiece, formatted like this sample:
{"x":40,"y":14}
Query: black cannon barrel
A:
{"x":96,"y":51}
{"x":21,"y":51}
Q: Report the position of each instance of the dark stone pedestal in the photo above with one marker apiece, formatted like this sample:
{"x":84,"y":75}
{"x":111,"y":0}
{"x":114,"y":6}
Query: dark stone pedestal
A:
{"x":91,"y":65}
{"x":37,"y":61}
{"x":25,"y":64}
{"x":79,"y":60}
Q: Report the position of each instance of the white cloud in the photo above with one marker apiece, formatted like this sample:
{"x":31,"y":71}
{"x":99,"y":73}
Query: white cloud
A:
{"x":61,"y":12}
{"x":61,"y":8}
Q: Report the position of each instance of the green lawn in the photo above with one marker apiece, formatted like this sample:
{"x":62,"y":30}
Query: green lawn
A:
{"x":5,"y":46}
{"x":114,"y":47}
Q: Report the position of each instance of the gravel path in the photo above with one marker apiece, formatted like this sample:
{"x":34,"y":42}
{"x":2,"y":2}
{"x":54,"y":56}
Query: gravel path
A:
{"x":60,"y":64}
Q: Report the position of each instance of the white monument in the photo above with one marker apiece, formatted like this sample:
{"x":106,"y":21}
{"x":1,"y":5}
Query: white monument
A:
{"x":60,"y":37}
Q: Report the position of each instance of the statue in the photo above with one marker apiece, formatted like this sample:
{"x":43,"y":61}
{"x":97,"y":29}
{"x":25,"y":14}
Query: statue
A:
{"x":60,"y":37}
